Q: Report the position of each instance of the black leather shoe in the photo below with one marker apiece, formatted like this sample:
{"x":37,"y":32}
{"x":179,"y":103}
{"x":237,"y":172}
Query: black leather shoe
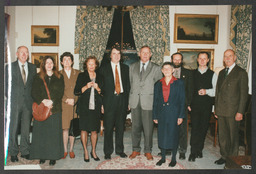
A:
{"x":52,"y":162}
{"x":41,"y":161}
{"x":192,"y":157}
{"x":220,"y":161}
{"x":182,"y":156}
{"x":160,"y":162}
{"x":199,"y":155}
{"x":25,"y":156}
{"x":172,"y":163}
{"x":95,"y":159}
{"x":107,"y":157}
{"x":14,"y":159}
{"x":122,"y":155}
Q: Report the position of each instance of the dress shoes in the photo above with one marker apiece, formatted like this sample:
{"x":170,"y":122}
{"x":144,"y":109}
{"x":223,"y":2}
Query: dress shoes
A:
{"x":192,"y":157}
{"x":199,"y":155}
{"x":160,"y":162}
{"x":172,"y":163}
{"x":107,"y":157}
{"x":122,"y":155}
{"x":148,"y":156}
{"x":14,"y":158}
{"x":71,"y":155}
{"x":134,"y":154}
{"x":52,"y":162}
{"x":65,"y":155}
{"x":220,"y":161}
{"x":41,"y":161}
{"x":25,"y":156}
{"x":95,"y":159}
{"x":182,"y":156}
{"x":86,"y":160}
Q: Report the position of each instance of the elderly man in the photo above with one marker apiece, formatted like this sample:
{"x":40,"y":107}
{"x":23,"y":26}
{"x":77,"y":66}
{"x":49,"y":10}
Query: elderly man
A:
{"x":21,"y":103}
{"x":143,"y":75}
{"x":230,"y":103}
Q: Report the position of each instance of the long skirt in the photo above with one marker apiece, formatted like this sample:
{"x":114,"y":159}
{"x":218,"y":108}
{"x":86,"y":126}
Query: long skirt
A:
{"x":47,"y":139}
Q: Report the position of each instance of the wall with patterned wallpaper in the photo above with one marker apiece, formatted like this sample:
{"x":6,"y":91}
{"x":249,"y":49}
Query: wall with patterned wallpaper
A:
{"x":64,"y":16}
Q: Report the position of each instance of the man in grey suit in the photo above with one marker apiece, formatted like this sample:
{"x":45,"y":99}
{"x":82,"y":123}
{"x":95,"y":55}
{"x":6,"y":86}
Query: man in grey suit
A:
{"x":22,"y":74}
{"x":230,"y":101}
{"x":143,"y":75}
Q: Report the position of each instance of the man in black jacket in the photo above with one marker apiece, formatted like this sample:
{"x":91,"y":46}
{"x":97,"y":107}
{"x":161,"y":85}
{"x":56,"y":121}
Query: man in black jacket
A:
{"x":115,"y":92}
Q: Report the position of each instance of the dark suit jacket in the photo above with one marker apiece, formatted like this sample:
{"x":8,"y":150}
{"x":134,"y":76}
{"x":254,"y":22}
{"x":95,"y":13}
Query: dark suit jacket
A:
{"x":21,"y":93}
{"x":231,"y":92}
{"x":187,"y":76}
{"x":109,"y":85}
{"x":84,"y":98}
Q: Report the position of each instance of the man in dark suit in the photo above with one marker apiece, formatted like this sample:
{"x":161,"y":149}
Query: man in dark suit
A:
{"x":230,"y":102}
{"x":143,"y":75}
{"x":115,"y":92}
{"x":186,"y":75}
{"x":21,"y":103}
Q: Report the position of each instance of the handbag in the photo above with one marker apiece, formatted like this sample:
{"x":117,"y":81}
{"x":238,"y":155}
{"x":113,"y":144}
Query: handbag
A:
{"x":42,"y":112}
{"x":74,"y":129}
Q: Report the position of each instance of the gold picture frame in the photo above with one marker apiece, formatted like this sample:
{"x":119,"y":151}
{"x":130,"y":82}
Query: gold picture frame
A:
{"x":45,"y":35}
{"x":190,"y":57}
{"x":196,"y":28}
{"x":38,"y":57}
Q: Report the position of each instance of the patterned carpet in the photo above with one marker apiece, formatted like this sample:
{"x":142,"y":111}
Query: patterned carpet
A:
{"x":210,"y":154}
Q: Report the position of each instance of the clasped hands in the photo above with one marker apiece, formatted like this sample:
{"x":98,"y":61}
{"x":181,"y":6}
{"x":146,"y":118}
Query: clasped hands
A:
{"x":89,"y":85}
{"x":48,"y":103}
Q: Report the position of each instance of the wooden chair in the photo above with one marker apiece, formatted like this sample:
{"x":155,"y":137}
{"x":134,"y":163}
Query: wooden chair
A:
{"x":213,"y":120}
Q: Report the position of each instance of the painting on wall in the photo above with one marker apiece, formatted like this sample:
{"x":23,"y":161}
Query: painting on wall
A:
{"x":190,"y":57}
{"x":38,"y":57}
{"x":42,"y":35}
{"x":196,"y":29}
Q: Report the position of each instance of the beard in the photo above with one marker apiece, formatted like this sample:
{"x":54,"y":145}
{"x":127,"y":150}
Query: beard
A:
{"x":177,"y":65}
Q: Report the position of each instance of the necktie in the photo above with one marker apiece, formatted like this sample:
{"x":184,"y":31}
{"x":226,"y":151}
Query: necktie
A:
{"x":142,"y":71}
{"x":226,"y":72}
{"x":117,"y":82}
{"x":23,"y":74}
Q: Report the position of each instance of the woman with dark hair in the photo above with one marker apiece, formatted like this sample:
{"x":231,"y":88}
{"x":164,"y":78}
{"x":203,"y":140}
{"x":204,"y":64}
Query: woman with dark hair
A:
{"x":47,"y":142}
{"x":68,"y":101}
{"x":88,"y":88}
{"x":168,"y":111}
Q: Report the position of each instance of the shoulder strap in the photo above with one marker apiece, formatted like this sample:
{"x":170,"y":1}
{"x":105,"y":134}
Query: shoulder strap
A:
{"x":47,"y":90}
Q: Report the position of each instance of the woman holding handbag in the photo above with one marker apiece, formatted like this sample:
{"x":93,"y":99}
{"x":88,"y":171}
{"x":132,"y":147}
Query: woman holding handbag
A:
{"x":47,"y":142}
{"x":68,"y":101}
{"x":88,"y":87}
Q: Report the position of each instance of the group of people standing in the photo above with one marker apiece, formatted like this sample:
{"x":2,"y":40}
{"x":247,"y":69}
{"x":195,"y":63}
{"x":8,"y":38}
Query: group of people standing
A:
{"x":161,"y":95}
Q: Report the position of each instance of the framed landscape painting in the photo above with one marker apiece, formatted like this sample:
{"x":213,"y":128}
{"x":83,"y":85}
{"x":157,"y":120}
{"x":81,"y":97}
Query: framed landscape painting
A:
{"x":196,"y":29}
{"x":42,"y":35}
{"x":38,"y":57}
{"x":190,"y":57}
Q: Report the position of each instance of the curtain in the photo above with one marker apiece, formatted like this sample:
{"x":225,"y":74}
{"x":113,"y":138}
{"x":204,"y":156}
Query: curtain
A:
{"x":241,"y":30}
{"x":93,"y":24}
{"x":151,"y":27}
